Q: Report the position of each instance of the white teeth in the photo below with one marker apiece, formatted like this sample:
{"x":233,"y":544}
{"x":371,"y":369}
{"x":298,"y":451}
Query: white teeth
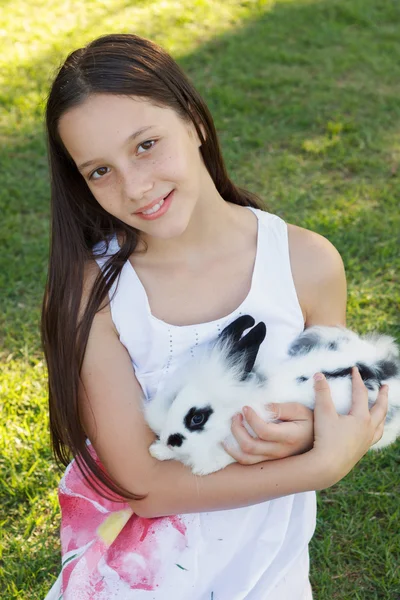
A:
{"x":154,"y":208}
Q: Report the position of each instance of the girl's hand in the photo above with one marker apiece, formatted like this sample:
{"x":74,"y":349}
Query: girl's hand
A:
{"x":341,"y":440}
{"x":294,"y":435}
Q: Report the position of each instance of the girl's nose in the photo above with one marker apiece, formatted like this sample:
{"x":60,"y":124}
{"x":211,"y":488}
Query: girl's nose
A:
{"x":136,"y":184}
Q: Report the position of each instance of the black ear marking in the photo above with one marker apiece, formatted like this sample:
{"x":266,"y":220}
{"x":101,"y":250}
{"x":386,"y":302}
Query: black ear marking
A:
{"x":244,"y":348}
{"x":249,"y":346}
{"x":235,"y":330}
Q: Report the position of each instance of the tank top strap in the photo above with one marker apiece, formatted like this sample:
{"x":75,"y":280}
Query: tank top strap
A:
{"x":273,"y":284}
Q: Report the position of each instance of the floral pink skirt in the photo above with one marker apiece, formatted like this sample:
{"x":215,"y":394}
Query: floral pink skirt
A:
{"x":106,"y":548}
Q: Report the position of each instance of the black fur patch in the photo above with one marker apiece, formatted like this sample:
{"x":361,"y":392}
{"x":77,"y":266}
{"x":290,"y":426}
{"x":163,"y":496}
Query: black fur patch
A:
{"x":196,"y":418}
{"x":304,"y":344}
{"x":368,"y":375}
{"x":387,"y":368}
{"x":302,"y":379}
{"x":176,"y":439}
{"x":366,"y":372}
{"x":346,"y":372}
{"x":370,"y":385}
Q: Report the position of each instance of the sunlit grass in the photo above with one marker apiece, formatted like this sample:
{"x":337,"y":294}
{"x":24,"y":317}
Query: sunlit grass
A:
{"x":305,"y":95}
{"x":43,"y":33}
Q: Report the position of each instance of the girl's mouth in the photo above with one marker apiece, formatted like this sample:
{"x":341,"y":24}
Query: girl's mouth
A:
{"x":158,"y":209}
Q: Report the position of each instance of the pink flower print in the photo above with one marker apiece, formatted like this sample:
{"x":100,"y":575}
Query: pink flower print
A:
{"x":137,"y":552}
{"x":95,"y":530}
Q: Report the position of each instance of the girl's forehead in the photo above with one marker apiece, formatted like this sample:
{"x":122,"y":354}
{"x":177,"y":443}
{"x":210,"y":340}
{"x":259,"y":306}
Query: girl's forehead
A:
{"x":111,"y":120}
{"x":102,"y":108}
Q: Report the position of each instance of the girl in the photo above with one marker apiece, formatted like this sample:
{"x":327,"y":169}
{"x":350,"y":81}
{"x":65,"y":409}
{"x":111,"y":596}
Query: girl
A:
{"x":153,"y":252}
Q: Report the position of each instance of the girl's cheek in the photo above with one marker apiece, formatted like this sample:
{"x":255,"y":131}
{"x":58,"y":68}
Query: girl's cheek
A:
{"x":106,"y":196}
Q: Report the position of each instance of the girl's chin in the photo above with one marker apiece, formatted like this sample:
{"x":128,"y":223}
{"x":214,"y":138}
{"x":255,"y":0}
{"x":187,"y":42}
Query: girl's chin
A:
{"x":166,"y":233}
{"x":165,"y":229}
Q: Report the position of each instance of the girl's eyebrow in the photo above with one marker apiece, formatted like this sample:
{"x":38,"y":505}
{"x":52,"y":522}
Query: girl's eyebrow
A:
{"x":129,"y":139}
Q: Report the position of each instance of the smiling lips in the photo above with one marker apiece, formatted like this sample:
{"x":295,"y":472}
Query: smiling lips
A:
{"x":156,"y":209}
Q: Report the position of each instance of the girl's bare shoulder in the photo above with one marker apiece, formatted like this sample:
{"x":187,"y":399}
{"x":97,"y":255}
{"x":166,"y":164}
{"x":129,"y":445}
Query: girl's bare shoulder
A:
{"x":319,"y":277}
{"x":103,"y":315}
{"x":90,"y":273}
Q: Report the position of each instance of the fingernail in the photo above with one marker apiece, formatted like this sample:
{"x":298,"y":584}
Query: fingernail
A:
{"x":318,"y":377}
{"x":245,"y":410}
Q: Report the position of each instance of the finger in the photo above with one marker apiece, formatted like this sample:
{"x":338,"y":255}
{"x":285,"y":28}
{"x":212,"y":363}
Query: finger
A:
{"x":323,"y":400}
{"x":246,"y":442}
{"x":267,"y":451}
{"x":379,"y":410}
{"x":242,"y":458}
{"x":290,"y":414}
{"x":270,"y":432}
{"x":359,"y":394}
{"x":291,"y":411}
{"x":278,"y":433}
{"x":256,"y":447}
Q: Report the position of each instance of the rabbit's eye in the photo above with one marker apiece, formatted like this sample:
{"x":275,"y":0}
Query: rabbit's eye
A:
{"x":196,"y":418}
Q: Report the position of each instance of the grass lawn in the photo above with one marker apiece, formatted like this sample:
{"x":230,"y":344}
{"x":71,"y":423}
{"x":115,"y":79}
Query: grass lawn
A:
{"x":306,"y":98}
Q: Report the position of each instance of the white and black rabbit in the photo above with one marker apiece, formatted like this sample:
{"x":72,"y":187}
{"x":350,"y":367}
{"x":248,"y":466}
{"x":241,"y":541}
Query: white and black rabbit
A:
{"x":193,"y":415}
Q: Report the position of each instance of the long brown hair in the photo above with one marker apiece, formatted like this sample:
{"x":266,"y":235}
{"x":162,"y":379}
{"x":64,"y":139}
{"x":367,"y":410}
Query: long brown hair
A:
{"x":112,"y":64}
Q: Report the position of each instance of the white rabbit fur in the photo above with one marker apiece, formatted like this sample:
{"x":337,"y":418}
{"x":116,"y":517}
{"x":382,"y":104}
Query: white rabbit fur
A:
{"x":213,"y":389}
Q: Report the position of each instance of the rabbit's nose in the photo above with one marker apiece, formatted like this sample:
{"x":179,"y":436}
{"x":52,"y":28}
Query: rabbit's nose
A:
{"x":176,"y":439}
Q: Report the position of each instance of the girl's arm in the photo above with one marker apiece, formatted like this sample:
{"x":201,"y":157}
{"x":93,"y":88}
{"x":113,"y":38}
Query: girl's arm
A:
{"x":320,"y":283}
{"x":110,"y":402}
{"x":319,"y":277}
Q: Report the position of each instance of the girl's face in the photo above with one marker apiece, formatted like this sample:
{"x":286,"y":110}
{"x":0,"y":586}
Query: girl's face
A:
{"x":141,"y":162}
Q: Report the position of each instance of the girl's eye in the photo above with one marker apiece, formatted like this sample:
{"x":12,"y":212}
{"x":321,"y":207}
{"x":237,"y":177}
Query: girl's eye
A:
{"x":147,"y":145}
{"x":99,"y":173}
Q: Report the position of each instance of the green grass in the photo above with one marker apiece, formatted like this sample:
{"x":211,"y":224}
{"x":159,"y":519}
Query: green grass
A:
{"x":305,"y":95}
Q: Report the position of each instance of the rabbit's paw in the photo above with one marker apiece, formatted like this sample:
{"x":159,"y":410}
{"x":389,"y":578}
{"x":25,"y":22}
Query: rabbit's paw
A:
{"x":160,"y":451}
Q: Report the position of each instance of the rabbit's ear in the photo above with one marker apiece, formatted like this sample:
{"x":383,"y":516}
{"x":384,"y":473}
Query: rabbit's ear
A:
{"x":249,"y":346}
{"x":234,"y":331}
{"x":244,"y":348}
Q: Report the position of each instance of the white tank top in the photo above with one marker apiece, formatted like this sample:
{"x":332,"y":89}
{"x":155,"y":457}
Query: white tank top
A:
{"x":254,"y":553}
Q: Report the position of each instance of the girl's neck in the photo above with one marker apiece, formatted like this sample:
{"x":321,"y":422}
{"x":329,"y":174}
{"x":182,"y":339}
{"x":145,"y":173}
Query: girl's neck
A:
{"x":213,"y":224}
